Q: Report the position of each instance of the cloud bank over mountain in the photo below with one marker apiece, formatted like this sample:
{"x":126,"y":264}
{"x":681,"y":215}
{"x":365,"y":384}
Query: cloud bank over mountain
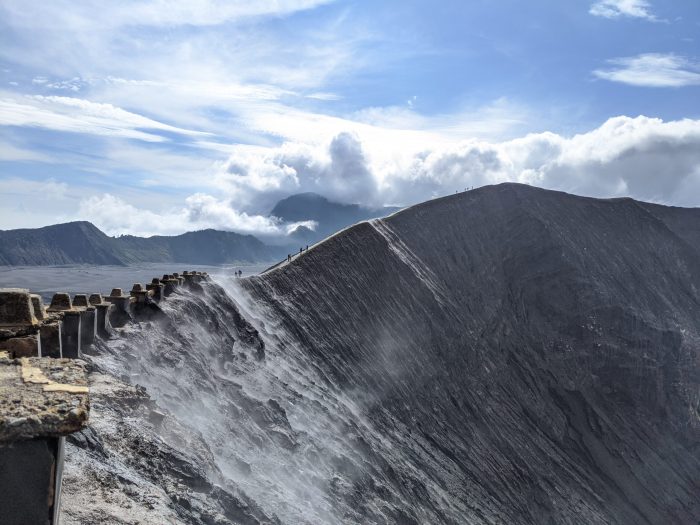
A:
{"x":641,"y":157}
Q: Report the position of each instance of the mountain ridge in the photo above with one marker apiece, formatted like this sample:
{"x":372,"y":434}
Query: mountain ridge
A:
{"x":81,"y":242}
{"x":525,"y":340}
{"x":330,"y":216}
{"x":505,"y":355}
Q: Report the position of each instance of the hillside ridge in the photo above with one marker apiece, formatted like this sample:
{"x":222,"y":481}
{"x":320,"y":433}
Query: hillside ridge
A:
{"x":523,"y":339}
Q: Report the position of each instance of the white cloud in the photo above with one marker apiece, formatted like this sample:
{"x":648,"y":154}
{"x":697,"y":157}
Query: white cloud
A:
{"x":11,"y":152}
{"x":115,"y":216}
{"x":28,"y":203}
{"x":618,"y":8}
{"x":652,"y":70}
{"x":322,"y":95}
{"x":645,"y":158}
{"x":252,"y":88}
{"x":155,"y":13}
{"x":82,"y":116}
{"x":642,"y":157}
{"x":45,"y":189}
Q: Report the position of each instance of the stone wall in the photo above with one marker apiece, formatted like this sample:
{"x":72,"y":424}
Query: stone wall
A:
{"x":43,"y":383}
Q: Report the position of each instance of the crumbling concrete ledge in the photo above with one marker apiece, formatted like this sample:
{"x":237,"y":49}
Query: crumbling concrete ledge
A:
{"x":41,"y":397}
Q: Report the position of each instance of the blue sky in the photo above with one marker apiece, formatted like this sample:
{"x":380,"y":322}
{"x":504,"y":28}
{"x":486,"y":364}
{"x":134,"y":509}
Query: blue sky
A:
{"x":161,"y":117}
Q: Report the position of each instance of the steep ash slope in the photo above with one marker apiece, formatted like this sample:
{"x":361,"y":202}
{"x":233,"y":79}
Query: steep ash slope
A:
{"x":684,"y":222}
{"x":253,"y":432}
{"x":506,"y":355}
{"x":522,"y":356}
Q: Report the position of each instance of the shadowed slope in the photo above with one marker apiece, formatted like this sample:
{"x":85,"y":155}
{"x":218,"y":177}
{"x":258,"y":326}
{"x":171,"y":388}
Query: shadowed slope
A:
{"x":83,"y":243}
{"x":527,"y":356}
{"x":69,"y":243}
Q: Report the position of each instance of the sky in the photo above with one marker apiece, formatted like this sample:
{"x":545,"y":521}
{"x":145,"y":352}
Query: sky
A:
{"x":159,"y":117}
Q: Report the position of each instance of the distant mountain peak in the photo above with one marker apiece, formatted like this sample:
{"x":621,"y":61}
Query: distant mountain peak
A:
{"x":330,"y":215}
{"x":81,"y":242}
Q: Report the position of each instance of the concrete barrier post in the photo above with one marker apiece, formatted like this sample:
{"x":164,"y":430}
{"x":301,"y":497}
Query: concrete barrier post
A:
{"x":70,"y":329}
{"x":121,"y":313}
{"x":19,"y":334}
{"x":191,"y":279}
{"x":157,"y":288}
{"x":16,"y":308}
{"x":60,"y":302}
{"x":32,"y":448}
{"x":88,"y":326}
{"x":170,"y":284}
{"x":71,"y":335}
{"x":80,"y":301}
{"x":29,"y":481}
{"x":103,"y":328}
{"x":51,"y":340}
{"x":140,"y":294}
{"x":38,"y":305}
{"x":87,"y":320}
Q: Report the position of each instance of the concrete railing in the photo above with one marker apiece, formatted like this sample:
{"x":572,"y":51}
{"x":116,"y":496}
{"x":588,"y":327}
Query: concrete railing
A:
{"x":43,"y":384}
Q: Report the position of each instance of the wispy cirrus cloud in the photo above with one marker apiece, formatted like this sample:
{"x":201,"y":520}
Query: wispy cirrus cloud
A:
{"x":652,"y":70}
{"x":154,"y":13}
{"x":623,"y":8}
{"x":83,"y":116}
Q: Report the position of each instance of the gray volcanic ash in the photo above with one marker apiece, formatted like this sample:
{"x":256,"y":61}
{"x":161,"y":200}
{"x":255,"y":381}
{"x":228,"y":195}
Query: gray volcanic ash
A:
{"x":505,"y":355}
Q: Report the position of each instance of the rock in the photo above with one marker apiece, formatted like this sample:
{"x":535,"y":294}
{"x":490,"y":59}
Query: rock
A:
{"x":80,"y":300}
{"x":88,"y":439}
{"x":96,"y":299}
{"x":60,"y":302}
{"x":16,"y":307}
{"x":42,"y":397}
{"x":38,"y":306}
{"x":17,"y":347}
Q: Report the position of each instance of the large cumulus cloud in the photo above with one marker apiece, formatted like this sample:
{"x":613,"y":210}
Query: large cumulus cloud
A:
{"x":339,"y":170}
{"x":200,"y":211}
{"x":642,"y":157}
{"x":645,"y":158}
